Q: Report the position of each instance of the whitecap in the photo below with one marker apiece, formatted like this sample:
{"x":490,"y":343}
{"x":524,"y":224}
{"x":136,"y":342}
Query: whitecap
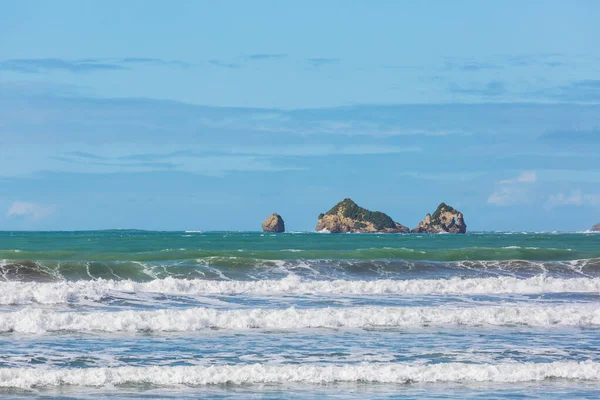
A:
{"x":95,"y":290}
{"x":394,"y":373}
{"x":196,"y":319}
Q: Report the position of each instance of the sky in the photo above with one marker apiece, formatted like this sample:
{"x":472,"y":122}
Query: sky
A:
{"x":203,"y":115}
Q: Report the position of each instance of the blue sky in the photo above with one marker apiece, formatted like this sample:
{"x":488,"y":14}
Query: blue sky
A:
{"x":210,"y":116}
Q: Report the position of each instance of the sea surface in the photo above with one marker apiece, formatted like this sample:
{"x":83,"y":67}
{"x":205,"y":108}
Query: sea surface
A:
{"x":217,"y":315}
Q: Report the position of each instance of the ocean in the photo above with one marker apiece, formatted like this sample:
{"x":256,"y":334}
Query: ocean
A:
{"x":218,"y":315}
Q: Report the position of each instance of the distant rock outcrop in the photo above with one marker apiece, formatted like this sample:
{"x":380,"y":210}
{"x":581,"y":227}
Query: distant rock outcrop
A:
{"x":595,"y":228}
{"x":444,"y":219}
{"x":346,"y":216}
{"x":274,"y":224}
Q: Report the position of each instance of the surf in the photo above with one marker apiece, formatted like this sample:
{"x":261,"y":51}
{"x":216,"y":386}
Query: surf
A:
{"x":65,"y":292}
{"x":198,"y":319}
{"x":392,"y":373}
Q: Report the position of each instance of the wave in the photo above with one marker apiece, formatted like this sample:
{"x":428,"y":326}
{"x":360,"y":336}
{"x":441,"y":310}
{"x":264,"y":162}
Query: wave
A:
{"x":69,"y":292}
{"x":196,"y":319}
{"x":244,"y":268}
{"x":405,"y":253}
{"x":310,"y":374}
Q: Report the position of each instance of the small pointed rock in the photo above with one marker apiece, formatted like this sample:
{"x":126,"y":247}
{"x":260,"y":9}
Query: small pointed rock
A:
{"x":274,"y":224}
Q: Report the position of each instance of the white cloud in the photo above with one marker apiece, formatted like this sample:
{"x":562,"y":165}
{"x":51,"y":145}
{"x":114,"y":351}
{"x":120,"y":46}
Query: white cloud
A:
{"x":323,"y":150}
{"x":29,"y":210}
{"x":507,"y":195}
{"x":443,"y":176}
{"x":575,"y":198}
{"x":513,"y":191}
{"x":525,"y":177}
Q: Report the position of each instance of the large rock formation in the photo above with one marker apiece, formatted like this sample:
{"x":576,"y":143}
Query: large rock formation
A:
{"x":346,"y":216}
{"x":274,"y":224}
{"x":595,"y":228}
{"x":444,"y":219}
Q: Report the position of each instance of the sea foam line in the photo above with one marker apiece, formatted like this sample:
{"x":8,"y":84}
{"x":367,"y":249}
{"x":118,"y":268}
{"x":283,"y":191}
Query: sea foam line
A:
{"x":65,"y":292}
{"x":195,"y":319}
{"x":310,"y":374}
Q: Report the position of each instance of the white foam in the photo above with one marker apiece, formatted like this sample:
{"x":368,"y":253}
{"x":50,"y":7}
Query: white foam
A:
{"x":64,"y":292}
{"x":310,"y":374}
{"x":195,"y":319}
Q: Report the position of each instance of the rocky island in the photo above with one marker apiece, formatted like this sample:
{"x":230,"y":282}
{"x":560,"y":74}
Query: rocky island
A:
{"x":274,"y":224}
{"x":595,"y":228}
{"x":444,"y":219}
{"x":348,"y":217}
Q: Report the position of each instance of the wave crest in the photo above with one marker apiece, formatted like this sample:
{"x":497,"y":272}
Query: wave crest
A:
{"x":196,"y":319}
{"x":313,"y":374}
{"x":96,"y":290}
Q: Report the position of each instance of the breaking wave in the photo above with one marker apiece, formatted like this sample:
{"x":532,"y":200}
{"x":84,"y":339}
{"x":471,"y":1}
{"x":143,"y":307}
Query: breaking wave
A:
{"x":196,"y":319}
{"x":311,"y":374}
{"x":95,"y":290}
{"x":290,"y":253}
{"x":218,"y":268}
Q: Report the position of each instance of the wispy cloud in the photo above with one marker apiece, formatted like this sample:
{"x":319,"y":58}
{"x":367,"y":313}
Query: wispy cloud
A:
{"x":196,"y":161}
{"x":577,"y":91}
{"x":45,"y":65}
{"x":265,"y":57}
{"x":508,"y":195}
{"x":461,"y":176}
{"x":29,"y":210}
{"x":574,"y":198}
{"x":82,"y":154}
{"x":584,"y":176}
{"x":504,"y":62}
{"x":490,"y":89}
{"x":42,"y":65}
{"x":320,"y":62}
{"x":155,"y":61}
{"x":572,"y":136}
{"x":157,"y":159}
{"x":470,"y":65}
{"x":513,"y":191}
{"x":208,"y":160}
{"x":225,"y":64}
{"x":324,"y":150}
{"x":525,"y":60}
{"x":37,"y":89}
{"x":524,"y":177}
{"x":243,"y":61}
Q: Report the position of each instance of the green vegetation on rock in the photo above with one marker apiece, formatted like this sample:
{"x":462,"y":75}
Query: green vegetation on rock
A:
{"x":444,"y":219}
{"x":353,"y":211}
{"x":438,"y":212}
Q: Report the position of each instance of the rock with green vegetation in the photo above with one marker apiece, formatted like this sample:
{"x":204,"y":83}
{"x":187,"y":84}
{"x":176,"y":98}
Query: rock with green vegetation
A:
{"x":444,"y":220}
{"x":274,"y":224}
{"x":595,"y":228}
{"x":348,"y":217}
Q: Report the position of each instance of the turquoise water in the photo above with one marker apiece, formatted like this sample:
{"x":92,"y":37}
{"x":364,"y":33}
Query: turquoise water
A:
{"x":136,"y":314}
